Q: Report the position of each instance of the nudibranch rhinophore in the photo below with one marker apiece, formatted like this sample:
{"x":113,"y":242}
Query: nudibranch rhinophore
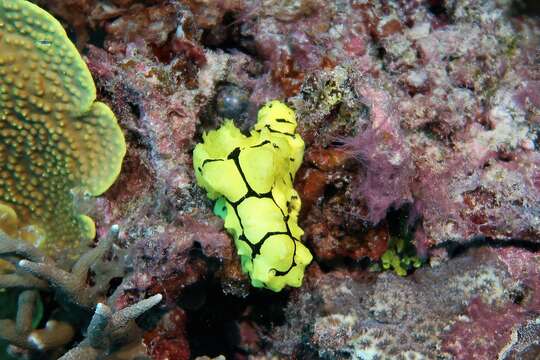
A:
{"x":251,"y":179}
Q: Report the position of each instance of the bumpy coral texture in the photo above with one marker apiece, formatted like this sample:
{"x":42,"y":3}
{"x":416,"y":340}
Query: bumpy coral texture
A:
{"x":56,"y":142}
{"x":252,"y":179}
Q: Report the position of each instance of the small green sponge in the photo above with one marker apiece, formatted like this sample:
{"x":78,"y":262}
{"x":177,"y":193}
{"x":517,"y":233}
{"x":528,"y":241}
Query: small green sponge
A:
{"x":251,"y":177}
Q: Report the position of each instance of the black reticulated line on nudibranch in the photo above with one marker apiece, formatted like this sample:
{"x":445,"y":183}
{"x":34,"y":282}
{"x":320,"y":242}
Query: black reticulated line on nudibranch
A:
{"x":261,"y":144}
{"x":277,"y":131}
{"x":280,"y":120}
{"x":209,"y":161}
{"x":256,"y":247}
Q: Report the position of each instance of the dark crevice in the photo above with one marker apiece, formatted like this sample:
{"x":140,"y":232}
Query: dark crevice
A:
{"x":437,"y":8}
{"x":150,"y":319}
{"x":136,"y":139}
{"x":456,"y":248}
{"x":308,"y":351}
{"x":342,"y":262}
{"x":114,"y":283}
{"x":70,"y":31}
{"x":400,"y":220}
{"x":135,"y":109}
{"x":97,"y":37}
{"x":381,"y":53}
{"x":213,"y":324}
{"x":525,"y":8}
{"x":229,"y":37}
{"x":536,"y":140}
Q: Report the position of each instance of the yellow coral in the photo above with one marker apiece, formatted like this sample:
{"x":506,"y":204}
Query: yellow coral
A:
{"x":55,"y":139}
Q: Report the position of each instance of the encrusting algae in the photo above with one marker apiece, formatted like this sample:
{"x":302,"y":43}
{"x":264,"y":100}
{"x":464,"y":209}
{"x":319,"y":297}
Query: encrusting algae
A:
{"x":55,"y":139}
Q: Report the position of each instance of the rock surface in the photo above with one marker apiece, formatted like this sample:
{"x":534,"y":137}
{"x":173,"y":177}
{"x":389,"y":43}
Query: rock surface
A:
{"x":421,"y":120}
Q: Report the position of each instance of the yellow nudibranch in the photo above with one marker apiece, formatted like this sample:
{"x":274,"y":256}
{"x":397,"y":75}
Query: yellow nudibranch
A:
{"x":251,"y":177}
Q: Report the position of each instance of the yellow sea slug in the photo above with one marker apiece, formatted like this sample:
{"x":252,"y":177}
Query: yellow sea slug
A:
{"x":251,"y":177}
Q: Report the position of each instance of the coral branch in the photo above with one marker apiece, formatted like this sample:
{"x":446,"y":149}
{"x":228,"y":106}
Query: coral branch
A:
{"x":81,"y":353}
{"x":10,"y":248}
{"x":8,"y":332}
{"x":73,"y":285}
{"x":24,"y":281}
{"x":25,"y":311}
{"x":98,"y":324}
{"x":107,"y":328}
{"x":58,"y":278}
{"x":54,"y":335}
{"x":20,"y":333}
{"x":80,"y":269}
{"x":16,"y":332}
{"x":121,"y":319}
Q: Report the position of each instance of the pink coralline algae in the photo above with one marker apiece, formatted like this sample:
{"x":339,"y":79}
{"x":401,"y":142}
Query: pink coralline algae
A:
{"x":421,"y":121}
{"x":501,"y":325}
{"x":381,"y":149}
{"x":479,"y":318}
{"x":451,"y":121}
{"x":426,"y":106}
{"x":477,"y":312}
{"x":168,"y":339}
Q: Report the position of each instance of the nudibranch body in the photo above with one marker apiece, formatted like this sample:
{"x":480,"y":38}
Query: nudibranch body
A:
{"x":251,"y":177}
